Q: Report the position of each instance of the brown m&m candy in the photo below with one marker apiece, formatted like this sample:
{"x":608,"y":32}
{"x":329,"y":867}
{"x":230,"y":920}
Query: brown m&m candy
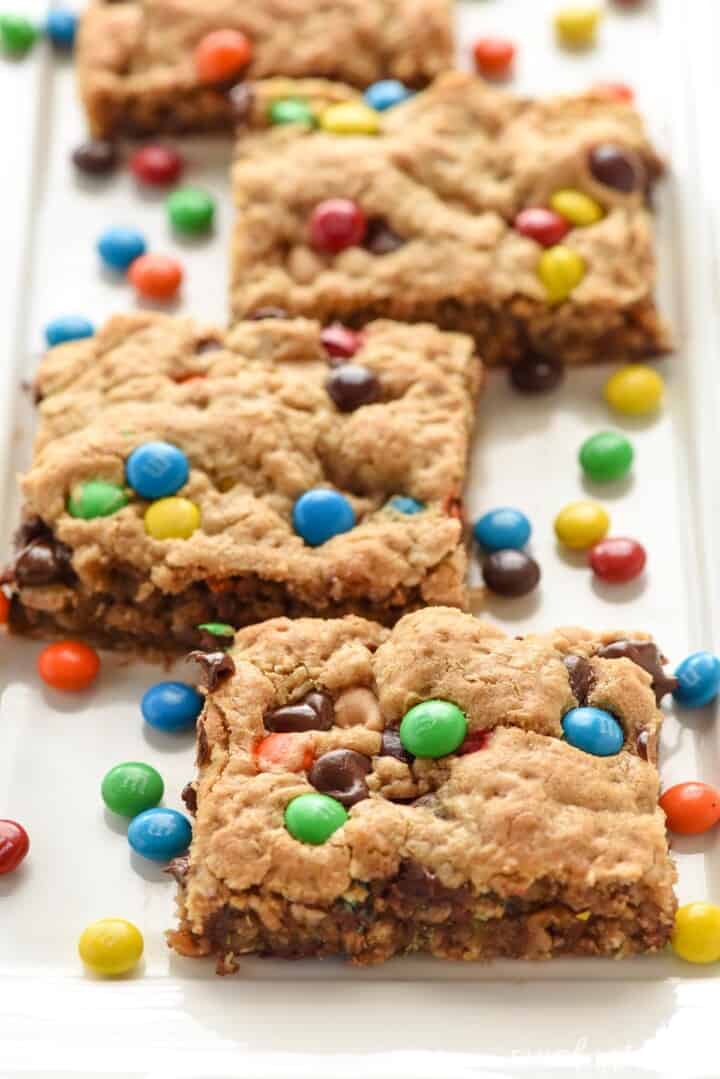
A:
{"x":352,"y":385}
{"x":536,"y":374}
{"x":616,"y":168}
{"x":510,"y":572}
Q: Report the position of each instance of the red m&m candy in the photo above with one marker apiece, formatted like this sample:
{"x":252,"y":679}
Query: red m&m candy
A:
{"x":613,"y":91}
{"x":68,"y":665}
{"x":336,"y":224}
{"x":14,"y":845}
{"x":156,"y":164}
{"x":4,"y":608}
{"x":542,"y":225}
{"x":494,"y":56}
{"x":617,"y":559}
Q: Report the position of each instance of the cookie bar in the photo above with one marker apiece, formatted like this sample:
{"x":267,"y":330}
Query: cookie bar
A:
{"x":268,"y":429}
{"x":436,"y":226}
{"x":368,"y":792}
{"x":140,"y":70}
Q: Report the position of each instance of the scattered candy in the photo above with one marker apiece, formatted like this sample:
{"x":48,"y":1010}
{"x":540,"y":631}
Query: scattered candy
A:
{"x":386,"y":94}
{"x":190,"y":210}
{"x":313,"y":818}
{"x":118,"y":247}
{"x":576,"y":207}
{"x":222,"y":55}
{"x":613,"y":91}
{"x":536,"y":374}
{"x":111,"y":946}
{"x":283,"y":751}
{"x":336,"y":224}
{"x":160,"y":834}
{"x":350,"y":118}
{"x":696,"y":936}
{"x":320,"y":514}
{"x":130,"y":788}
{"x":68,"y":328}
{"x":97,"y":157}
{"x":617,"y":560}
{"x":581,"y":524}
{"x":14,"y":845}
{"x":634,"y":390}
{"x":560,"y":269}
{"x":96,"y":498}
{"x":542,"y":225}
{"x":17,"y":34}
{"x":504,"y":527}
{"x":172,"y":518}
{"x":68,"y":665}
{"x":157,"y":469}
{"x":691,"y":808}
{"x":593,"y":730}
{"x":157,"y":165}
{"x":494,"y":56}
{"x":510,"y":573}
{"x":606,"y":456}
{"x":4,"y":608}
{"x":433,"y":729}
{"x":60,"y":27}
{"x":698,"y":680}
{"x":291,"y":110}
{"x":616,"y":168}
{"x":171,"y":706}
{"x":405,"y":504}
{"x":351,"y":385}
{"x":156,"y":277}
{"x":339,"y":341}
{"x":576,"y":27}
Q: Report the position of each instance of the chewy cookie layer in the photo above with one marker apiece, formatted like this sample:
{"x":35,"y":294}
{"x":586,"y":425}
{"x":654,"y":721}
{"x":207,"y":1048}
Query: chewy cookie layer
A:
{"x":515,"y":843}
{"x":253,"y":414}
{"x":138,"y":70}
{"x":440,"y":186}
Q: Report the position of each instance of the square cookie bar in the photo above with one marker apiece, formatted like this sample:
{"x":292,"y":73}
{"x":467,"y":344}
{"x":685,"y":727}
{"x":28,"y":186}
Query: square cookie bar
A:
{"x":436,"y":788}
{"x":183,"y":476}
{"x":149,"y":66}
{"x":524,"y":223}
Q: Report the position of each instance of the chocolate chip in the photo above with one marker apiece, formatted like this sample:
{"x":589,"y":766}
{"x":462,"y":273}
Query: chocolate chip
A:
{"x":352,"y":385}
{"x":203,"y":746}
{"x":392,"y":746}
{"x":647,"y":656}
{"x":96,"y":157}
{"x":414,"y":881}
{"x":614,"y":167}
{"x":380,"y":238}
{"x":642,"y":744}
{"x":267,"y":312}
{"x":241,"y":98}
{"x":341,"y":774}
{"x":189,"y":797}
{"x":207,"y":344}
{"x":179,"y":868}
{"x":313,"y":713}
{"x":216,"y":667}
{"x":581,"y":677}
{"x":510,"y":572}
{"x":536,"y":374}
{"x":41,"y":559}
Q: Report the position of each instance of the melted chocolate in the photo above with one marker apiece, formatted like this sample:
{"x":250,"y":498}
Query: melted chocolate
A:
{"x":581,"y":677}
{"x":647,"y":656}
{"x":314,"y":712}
{"x":216,"y":667}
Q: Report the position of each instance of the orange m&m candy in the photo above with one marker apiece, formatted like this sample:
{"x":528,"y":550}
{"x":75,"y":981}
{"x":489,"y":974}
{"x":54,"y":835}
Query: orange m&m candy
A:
{"x":68,"y":665}
{"x":222,"y":55}
{"x":156,"y":277}
{"x":4,"y":608}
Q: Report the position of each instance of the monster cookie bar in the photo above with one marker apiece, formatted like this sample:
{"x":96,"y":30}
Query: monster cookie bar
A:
{"x":175,"y":65}
{"x":523,"y":223}
{"x":438,"y":787}
{"x":182,"y":476}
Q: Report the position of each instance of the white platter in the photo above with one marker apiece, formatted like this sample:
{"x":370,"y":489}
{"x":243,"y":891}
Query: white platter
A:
{"x":654,"y":1017}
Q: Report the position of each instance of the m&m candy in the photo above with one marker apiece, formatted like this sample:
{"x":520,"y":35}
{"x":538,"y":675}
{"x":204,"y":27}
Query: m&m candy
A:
{"x":405,"y":504}
{"x":68,"y":328}
{"x":617,"y":559}
{"x":172,"y":518}
{"x":111,"y":946}
{"x":616,"y":167}
{"x":157,"y":165}
{"x":635,"y":390}
{"x":696,"y":936}
{"x":544,"y":226}
{"x":96,"y":157}
{"x":130,"y":788}
{"x":171,"y":706}
{"x":156,"y":277}
{"x":4,"y":608}
{"x":613,"y":91}
{"x":336,"y":224}
{"x":313,"y":818}
{"x":291,"y":110}
{"x":190,"y":210}
{"x":68,"y":665}
{"x":157,"y":469}
{"x":284,"y":752}
{"x":118,"y":247}
{"x":433,"y":729}
{"x":593,"y":730}
{"x":320,"y":514}
{"x":14,"y":845}
{"x":691,"y":808}
{"x":576,"y":207}
{"x":60,"y":27}
{"x":576,"y":26}
{"x":96,"y":498}
{"x":560,"y":269}
{"x":502,"y":527}
{"x":494,"y":56}
{"x":386,"y":94}
{"x":17,"y":34}
{"x":222,"y":55}
{"x":350,"y":118}
{"x":160,"y":834}
{"x":510,"y":573}
{"x":581,"y":524}
{"x":340,"y":342}
{"x":698,"y":680}
{"x":606,"y":456}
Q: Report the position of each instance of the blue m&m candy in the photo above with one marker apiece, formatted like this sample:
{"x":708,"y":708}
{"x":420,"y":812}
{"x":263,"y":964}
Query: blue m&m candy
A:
{"x":157,"y":469}
{"x":320,"y":514}
{"x":386,"y":93}
{"x":68,"y":328}
{"x":60,"y":27}
{"x":160,"y":834}
{"x":405,"y":504}
{"x":593,"y":730}
{"x":698,"y":680}
{"x":171,"y":706}
{"x":118,"y":247}
{"x":501,"y":529}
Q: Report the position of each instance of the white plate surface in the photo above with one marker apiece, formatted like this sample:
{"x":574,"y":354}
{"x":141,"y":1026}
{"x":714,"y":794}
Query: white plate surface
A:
{"x":416,"y":1018}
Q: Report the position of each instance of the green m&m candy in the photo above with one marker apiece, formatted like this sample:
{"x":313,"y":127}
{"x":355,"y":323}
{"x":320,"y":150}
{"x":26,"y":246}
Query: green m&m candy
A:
{"x":131,"y":788}
{"x":291,"y":110}
{"x":606,"y":456}
{"x":218,"y":629}
{"x":17,"y":34}
{"x":433,"y":729}
{"x":191,"y":210}
{"x":312,"y":818}
{"x":96,"y":498}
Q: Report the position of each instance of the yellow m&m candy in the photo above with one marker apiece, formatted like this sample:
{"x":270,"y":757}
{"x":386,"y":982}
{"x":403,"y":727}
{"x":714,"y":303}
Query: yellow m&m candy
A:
{"x":172,"y":518}
{"x":581,"y":524}
{"x":560,"y":269}
{"x":576,"y":207}
{"x":635,"y":389}
{"x":576,"y":26}
{"x":696,"y":936}
{"x":111,"y":946}
{"x":350,"y":118}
